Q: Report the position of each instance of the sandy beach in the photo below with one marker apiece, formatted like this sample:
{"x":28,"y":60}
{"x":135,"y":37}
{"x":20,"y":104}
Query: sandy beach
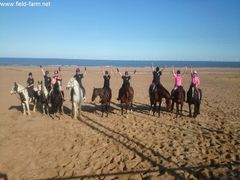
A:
{"x":138,"y":147}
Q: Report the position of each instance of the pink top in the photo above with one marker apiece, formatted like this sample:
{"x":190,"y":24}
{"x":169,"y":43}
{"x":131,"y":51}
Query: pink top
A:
{"x":55,"y":78}
{"x":195,"y":80}
{"x":178,"y":79}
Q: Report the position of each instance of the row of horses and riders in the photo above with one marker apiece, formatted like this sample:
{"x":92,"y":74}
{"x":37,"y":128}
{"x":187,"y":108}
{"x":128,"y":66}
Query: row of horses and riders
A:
{"x":49,"y":91}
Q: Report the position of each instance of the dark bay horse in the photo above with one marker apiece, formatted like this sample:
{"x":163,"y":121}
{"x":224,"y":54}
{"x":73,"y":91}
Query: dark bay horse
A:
{"x":105,"y":95}
{"x":126,"y":94}
{"x":156,"y":96}
{"x":178,"y":97}
{"x":56,"y":99}
{"x":194,"y":97}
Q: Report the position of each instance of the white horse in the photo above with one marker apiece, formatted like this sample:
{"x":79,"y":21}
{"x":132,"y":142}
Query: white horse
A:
{"x":43,"y":97}
{"x":24,"y":98}
{"x":76,"y":96}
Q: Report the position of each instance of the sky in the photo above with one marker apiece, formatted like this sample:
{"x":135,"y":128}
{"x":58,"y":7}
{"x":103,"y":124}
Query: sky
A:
{"x":123,"y":30}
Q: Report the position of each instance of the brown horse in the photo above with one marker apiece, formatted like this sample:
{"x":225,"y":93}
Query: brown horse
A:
{"x":178,"y":97}
{"x":156,"y":96}
{"x":56,"y":99}
{"x":194,"y":97}
{"x":126,"y":97}
{"x":105,"y":95}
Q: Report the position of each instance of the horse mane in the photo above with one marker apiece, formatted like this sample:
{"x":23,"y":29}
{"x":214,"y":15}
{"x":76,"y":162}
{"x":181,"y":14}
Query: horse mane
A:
{"x":163,"y":88}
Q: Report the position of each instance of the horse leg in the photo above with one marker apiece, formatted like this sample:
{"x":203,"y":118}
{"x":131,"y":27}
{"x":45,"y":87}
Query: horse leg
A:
{"x":47,"y":108}
{"x":106,"y":106}
{"x":154,"y":108}
{"x":159,"y":107}
{"x":28,"y":109}
{"x":43,"y":108}
{"x":190,"y":110}
{"x":122,"y":108}
{"x":177,"y":107}
{"x":172,"y":105}
{"x":24,"y":108}
{"x":34,"y":105}
{"x":79,"y":110}
{"x":181,"y":108}
{"x":131,"y":107}
{"x":127,"y":110}
{"x":74,"y":110}
{"x":102,"y":109}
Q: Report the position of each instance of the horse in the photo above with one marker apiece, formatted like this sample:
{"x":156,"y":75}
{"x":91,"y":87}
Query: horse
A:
{"x":105,"y":95}
{"x":126,"y":97}
{"x":76,"y":96}
{"x":194,"y":97}
{"x":43,"y":97}
{"x":156,"y":96}
{"x":56,"y":99}
{"x":24,"y":97}
{"x":178,"y":97}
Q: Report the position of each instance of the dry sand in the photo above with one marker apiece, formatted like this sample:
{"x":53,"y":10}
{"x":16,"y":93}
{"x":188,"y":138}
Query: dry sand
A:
{"x":138,"y":147}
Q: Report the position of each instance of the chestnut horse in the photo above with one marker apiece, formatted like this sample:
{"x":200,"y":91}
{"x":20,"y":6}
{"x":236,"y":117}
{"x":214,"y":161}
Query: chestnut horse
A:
{"x":156,"y":96}
{"x":126,"y":97}
{"x":105,"y":95}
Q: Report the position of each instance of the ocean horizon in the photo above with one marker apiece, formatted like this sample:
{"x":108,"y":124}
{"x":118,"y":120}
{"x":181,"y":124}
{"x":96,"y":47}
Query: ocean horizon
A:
{"x":120,"y":63}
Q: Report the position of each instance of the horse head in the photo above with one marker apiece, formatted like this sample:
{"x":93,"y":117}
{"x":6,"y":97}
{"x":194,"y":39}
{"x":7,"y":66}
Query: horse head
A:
{"x":71,"y":83}
{"x":14,"y":89}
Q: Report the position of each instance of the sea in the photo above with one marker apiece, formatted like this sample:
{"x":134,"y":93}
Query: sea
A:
{"x":116,"y":63}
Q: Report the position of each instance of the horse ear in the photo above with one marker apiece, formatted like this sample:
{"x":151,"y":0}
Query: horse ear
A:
{"x":41,"y":82}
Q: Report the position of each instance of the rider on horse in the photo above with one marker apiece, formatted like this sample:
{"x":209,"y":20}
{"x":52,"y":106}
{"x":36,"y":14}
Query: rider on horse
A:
{"x":47,"y":79}
{"x":195,"y":82}
{"x":156,"y":77}
{"x":106,"y":77}
{"x":30,"y":85}
{"x":178,"y":78}
{"x":58,"y":79}
{"x":79,"y":76}
{"x":126,"y":82}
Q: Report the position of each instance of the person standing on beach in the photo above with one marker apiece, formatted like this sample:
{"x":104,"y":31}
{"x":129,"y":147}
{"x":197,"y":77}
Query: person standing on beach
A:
{"x":30,"y":85}
{"x":79,"y":76}
{"x":156,"y":77}
{"x":47,"y":79}
{"x":126,"y":81}
{"x":178,"y":79}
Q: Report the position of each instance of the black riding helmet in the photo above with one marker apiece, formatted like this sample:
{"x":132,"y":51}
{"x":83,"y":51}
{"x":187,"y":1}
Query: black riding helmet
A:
{"x":30,"y":74}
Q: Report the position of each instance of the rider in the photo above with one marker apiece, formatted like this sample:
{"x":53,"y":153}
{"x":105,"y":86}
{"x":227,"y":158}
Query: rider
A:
{"x":126,"y":81}
{"x":58,"y":79}
{"x":47,"y":79}
{"x":78,"y":76}
{"x":30,"y":85}
{"x":106,"y":77}
{"x":178,"y":80}
{"x":195,"y":82}
{"x":156,"y":77}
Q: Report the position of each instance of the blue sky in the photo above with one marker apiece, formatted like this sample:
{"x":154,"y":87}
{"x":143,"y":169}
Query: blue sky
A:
{"x":123,"y":29}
